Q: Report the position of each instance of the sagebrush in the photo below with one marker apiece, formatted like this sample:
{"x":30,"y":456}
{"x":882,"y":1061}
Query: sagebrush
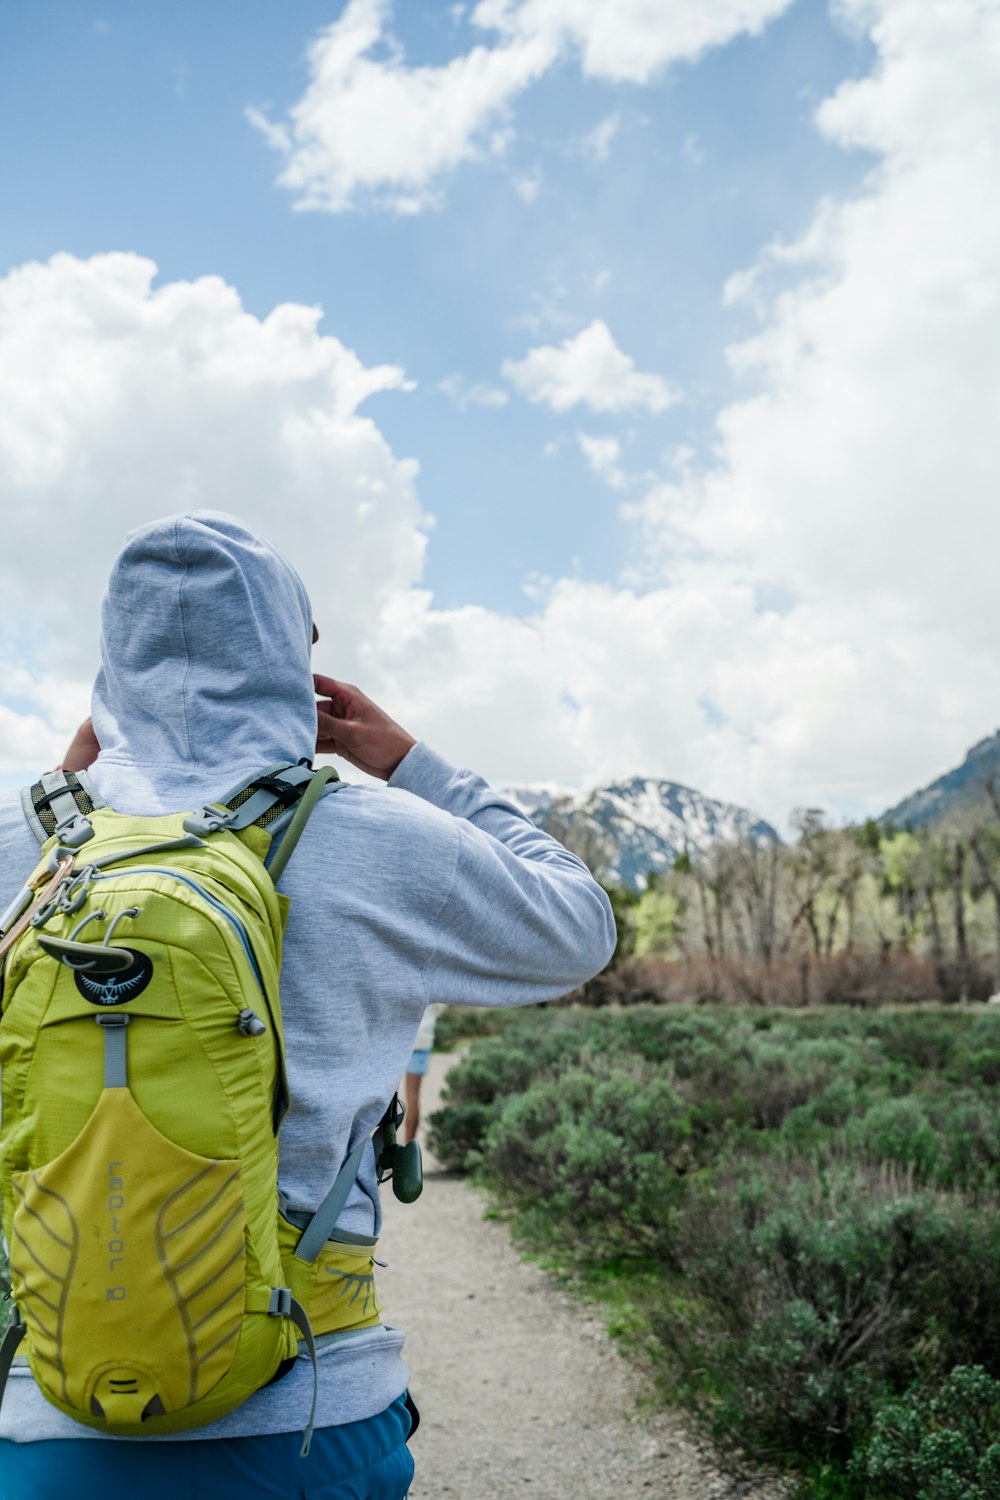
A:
{"x":805,"y":1202}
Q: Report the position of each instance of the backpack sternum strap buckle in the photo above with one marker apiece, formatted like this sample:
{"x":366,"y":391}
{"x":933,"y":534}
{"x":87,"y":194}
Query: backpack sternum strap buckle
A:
{"x":212,"y":819}
{"x":76,"y":832}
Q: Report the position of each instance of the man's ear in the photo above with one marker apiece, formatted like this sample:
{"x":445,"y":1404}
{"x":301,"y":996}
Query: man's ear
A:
{"x":315,"y":633}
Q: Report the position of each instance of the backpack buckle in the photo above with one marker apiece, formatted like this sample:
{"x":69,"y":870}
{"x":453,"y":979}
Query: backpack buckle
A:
{"x":212,"y":819}
{"x":280,"y":1305}
{"x":74,"y":833}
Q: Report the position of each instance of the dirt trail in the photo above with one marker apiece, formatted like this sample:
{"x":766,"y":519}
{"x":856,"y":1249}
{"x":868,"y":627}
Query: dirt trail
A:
{"x":521,"y":1392}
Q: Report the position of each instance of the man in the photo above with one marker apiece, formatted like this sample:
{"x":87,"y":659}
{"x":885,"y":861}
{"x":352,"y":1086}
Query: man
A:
{"x":436,"y":888}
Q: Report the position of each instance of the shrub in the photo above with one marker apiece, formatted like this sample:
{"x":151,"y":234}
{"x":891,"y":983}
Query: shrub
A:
{"x":814,"y":1299}
{"x":969,"y":1129}
{"x":937,"y":1445}
{"x":467,"y":1023}
{"x":604,"y":1155}
{"x":981,"y":1067}
{"x":804,"y":1285}
{"x":805,"y":1201}
{"x":456,"y":1134}
{"x":899,"y":1131}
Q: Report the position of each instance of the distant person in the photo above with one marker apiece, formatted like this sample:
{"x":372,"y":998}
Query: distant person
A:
{"x":416,"y":1068}
{"x":437,"y":886}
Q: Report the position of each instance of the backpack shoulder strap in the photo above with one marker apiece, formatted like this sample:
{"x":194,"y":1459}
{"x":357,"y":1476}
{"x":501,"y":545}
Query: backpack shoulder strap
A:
{"x":277,"y":799}
{"x":265,"y":800}
{"x":59,"y":803}
{"x":324,"y":780}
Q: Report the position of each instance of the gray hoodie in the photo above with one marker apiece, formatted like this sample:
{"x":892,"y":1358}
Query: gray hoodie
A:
{"x":435,"y":889}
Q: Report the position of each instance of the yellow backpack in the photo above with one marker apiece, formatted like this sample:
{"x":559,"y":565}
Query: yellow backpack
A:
{"x":155,"y":1282}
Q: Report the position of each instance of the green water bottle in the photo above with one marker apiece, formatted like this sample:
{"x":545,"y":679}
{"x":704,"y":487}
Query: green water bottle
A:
{"x":407,"y":1172}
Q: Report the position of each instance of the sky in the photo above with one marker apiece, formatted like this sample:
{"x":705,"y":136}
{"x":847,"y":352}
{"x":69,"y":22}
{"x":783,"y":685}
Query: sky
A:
{"x":622,"y":380}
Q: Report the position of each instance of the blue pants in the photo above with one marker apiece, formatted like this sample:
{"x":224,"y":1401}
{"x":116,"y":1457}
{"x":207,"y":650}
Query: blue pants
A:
{"x":359,"y":1461}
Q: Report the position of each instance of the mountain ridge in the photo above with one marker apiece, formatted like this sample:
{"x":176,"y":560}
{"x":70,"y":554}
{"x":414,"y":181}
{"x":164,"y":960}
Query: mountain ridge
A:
{"x":952,"y":792}
{"x":638,"y":825}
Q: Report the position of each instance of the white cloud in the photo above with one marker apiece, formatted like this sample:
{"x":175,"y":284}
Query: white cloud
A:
{"x":860,"y":477}
{"x":588,"y":370}
{"x":827,"y":582}
{"x":597,"y":142}
{"x":603,"y":455}
{"x":464,"y":395}
{"x":528,"y":185}
{"x":370,"y":130}
{"x":548,"y":311}
{"x":631,"y":41}
{"x":370,"y":127}
{"x":119,"y":403}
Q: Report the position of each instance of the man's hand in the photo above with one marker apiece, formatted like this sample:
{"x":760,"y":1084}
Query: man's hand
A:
{"x":83,"y":751}
{"x":353,"y":727}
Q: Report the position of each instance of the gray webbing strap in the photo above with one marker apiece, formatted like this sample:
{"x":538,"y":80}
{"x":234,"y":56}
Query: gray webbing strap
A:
{"x":265,"y":798}
{"x":324,"y":1220}
{"x":72,"y":827}
{"x":115,"y":1053}
{"x":11,"y":1340}
{"x":274,"y":791}
{"x":291,"y":775}
{"x":284,"y":1305}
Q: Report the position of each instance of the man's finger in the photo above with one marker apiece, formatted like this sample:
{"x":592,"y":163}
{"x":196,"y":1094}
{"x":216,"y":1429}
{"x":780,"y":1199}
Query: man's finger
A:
{"x":332,"y":687}
{"x":329,"y":726}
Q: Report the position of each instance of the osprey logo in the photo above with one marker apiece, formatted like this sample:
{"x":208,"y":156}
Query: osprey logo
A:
{"x":120,"y":988}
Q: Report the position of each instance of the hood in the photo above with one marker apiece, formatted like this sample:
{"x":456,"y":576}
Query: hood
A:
{"x":206,"y":634}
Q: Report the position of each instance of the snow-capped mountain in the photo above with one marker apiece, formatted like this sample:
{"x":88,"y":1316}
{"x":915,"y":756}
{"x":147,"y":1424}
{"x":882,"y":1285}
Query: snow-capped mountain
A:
{"x":639,"y":825}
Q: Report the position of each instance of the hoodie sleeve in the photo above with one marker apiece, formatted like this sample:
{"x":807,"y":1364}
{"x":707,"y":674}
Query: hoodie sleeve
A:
{"x":523,"y":920}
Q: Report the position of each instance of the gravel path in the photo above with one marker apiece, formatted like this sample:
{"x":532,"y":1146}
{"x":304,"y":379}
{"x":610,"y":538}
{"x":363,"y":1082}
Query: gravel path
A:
{"x":521,"y":1392}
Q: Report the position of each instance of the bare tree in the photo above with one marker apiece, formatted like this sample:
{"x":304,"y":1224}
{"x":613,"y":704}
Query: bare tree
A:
{"x":811,"y":866}
{"x":984,"y":841}
{"x":958,"y":856}
{"x":755,"y":878}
